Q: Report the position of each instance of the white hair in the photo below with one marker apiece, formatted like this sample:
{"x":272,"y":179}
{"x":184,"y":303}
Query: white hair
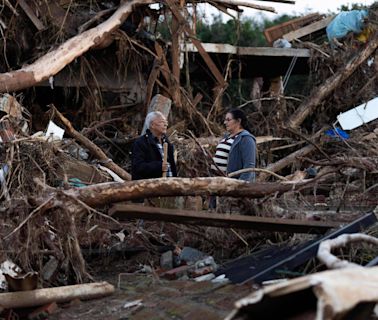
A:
{"x":151,"y":116}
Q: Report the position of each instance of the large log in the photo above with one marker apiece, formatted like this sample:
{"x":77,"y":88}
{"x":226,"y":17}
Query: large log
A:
{"x":54,"y":61}
{"x":323,"y":91}
{"x":38,"y":297}
{"x":106,"y":193}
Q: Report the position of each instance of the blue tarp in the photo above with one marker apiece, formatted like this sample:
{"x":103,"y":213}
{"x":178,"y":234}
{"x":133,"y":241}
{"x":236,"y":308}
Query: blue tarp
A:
{"x":345,"y":22}
{"x":337,"y":133}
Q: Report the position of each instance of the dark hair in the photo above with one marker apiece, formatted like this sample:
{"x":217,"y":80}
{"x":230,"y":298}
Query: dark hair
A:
{"x":239,"y":114}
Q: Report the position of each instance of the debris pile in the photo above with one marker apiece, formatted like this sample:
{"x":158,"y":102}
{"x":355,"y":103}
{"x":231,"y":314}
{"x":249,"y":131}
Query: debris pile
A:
{"x":74,"y":99}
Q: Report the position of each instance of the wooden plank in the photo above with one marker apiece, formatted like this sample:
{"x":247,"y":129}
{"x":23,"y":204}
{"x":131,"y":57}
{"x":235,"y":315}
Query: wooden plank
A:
{"x":151,"y":82}
{"x":275,"y":32}
{"x":204,"y":218}
{"x":235,"y":4}
{"x":29,"y":12}
{"x":175,"y":54}
{"x":248,"y":51}
{"x":164,"y":68}
{"x":313,"y":27}
{"x":281,"y":1}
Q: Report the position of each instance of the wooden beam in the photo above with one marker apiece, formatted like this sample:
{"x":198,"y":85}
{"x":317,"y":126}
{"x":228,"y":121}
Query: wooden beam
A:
{"x":281,"y":1}
{"x":175,"y":54}
{"x":213,"y":68}
{"x":164,"y":68}
{"x":248,"y":51}
{"x":29,"y":12}
{"x":224,"y":220}
{"x":311,"y":28}
{"x":154,"y":74}
{"x":238,"y":3}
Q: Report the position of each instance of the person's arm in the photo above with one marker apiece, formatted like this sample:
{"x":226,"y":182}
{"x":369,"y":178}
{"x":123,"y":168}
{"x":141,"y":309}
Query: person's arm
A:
{"x":248,"y":156}
{"x":142,"y":166}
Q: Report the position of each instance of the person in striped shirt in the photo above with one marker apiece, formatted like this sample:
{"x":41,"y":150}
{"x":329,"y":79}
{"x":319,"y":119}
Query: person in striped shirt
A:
{"x":237,"y":150}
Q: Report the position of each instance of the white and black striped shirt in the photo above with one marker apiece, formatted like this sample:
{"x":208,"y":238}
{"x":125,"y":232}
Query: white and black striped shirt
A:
{"x":221,"y":154}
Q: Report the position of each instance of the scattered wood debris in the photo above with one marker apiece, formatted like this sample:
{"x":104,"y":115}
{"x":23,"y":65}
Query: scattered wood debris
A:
{"x":96,"y":69}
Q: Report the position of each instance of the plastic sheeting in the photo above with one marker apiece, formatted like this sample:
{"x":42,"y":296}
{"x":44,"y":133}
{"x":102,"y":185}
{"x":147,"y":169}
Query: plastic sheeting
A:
{"x":345,"y":22}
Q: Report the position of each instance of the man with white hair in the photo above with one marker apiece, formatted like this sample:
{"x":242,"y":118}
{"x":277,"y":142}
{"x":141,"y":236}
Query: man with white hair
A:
{"x":148,"y":151}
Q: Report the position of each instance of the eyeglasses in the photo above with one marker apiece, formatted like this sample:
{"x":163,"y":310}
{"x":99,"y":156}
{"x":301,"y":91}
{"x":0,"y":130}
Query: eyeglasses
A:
{"x":161,"y":121}
{"x":228,"y":119}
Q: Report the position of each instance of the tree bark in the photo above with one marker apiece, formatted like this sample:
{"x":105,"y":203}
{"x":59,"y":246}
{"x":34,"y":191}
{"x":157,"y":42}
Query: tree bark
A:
{"x":323,"y":91}
{"x":54,"y":61}
{"x":106,"y":193}
{"x":38,"y":297}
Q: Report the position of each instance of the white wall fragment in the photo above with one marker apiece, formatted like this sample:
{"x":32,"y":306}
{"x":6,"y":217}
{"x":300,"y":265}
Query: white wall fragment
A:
{"x":54,"y":132}
{"x":356,"y":117}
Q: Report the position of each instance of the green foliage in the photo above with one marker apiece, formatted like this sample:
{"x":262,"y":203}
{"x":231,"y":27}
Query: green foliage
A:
{"x":353,"y":6}
{"x":246,"y":32}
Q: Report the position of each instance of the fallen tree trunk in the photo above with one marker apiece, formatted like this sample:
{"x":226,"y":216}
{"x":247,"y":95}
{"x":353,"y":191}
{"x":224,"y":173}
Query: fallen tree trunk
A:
{"x":321,"y":92}
{"x":106,"y":193}
{"x":53,"y":62}
{"x":38,"y":297}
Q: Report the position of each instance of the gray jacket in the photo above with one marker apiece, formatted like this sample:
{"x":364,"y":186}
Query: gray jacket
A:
{"x":243,"y":155}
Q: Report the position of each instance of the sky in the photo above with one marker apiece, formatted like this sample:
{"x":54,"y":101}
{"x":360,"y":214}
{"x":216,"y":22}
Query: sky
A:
{"x":308,"y":6}
{"x":300,"y":7}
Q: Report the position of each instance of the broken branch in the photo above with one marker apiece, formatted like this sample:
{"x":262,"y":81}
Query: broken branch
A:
{"x":94,"y":149}
{"x":332,"y":262}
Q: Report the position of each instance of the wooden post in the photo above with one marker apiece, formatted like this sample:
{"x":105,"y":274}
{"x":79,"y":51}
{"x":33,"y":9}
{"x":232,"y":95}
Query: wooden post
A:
{"x":165,"y":148}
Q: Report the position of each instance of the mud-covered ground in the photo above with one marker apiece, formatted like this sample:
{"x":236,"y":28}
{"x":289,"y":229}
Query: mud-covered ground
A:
{"x":159,"y":299}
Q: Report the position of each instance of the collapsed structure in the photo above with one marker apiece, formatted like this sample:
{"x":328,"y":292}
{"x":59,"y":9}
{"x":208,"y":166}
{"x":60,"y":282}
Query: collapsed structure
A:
{"x":96,"y":69}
